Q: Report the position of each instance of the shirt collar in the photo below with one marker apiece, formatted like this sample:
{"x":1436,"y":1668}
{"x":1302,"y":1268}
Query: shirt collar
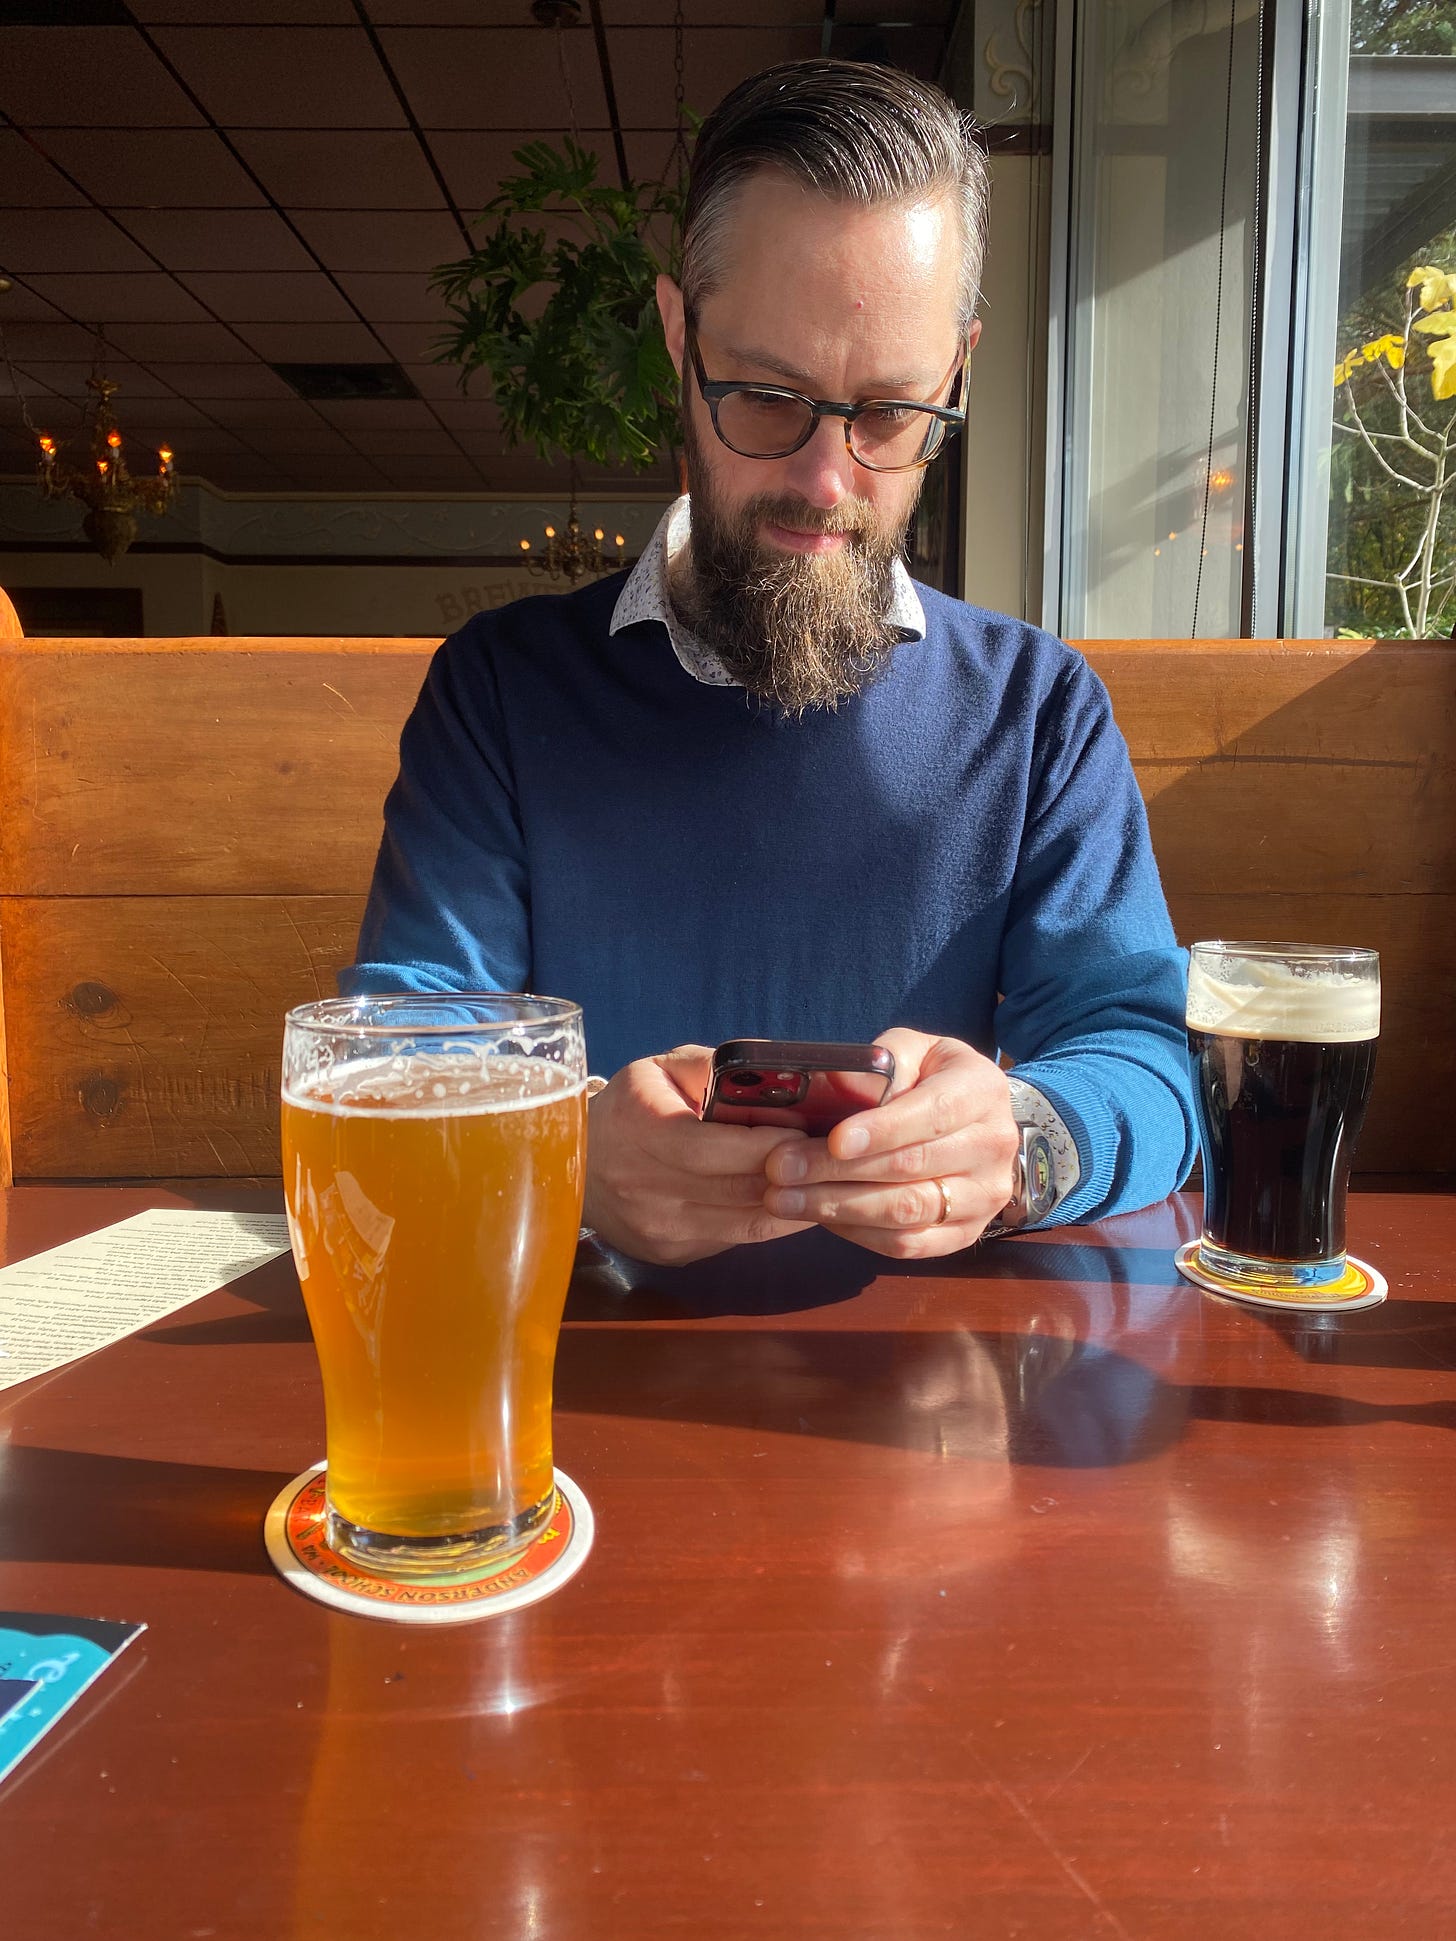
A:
{"x":645,"y":597}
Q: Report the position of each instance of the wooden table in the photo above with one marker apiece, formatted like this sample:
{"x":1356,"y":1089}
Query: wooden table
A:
{"x":1038,"y":1595}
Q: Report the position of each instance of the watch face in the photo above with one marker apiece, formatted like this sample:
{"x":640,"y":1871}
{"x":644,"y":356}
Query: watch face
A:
{"x":1040,"y":1179}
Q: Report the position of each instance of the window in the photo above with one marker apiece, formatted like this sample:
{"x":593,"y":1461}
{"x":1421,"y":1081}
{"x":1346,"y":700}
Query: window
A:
{"x":1391,"y":542}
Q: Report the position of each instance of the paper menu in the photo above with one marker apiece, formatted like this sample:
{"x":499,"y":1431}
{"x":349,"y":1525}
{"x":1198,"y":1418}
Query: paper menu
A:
{"x":45,"y":1664}
{"x":83,"y":1295}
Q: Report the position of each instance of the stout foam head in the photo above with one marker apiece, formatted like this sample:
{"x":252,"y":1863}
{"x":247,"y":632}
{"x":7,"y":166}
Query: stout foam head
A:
{"x":1312,"y":998}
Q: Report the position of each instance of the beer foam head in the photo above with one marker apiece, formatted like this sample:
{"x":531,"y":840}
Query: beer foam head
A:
{"x":435,"y":1085}
{"x":1309,"y":1001}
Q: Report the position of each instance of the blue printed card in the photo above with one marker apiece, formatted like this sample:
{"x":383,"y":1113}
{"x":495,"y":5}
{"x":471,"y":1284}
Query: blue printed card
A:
{"x":45,"y":1664}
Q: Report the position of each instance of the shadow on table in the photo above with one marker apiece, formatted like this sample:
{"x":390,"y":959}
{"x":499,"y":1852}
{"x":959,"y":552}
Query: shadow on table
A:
{"x":276,"y":1314}
{"x":806,"y":1271}
{"x":817,"y":1269}
{"x":1397,"y":1334}
{"x":60,"y":1506}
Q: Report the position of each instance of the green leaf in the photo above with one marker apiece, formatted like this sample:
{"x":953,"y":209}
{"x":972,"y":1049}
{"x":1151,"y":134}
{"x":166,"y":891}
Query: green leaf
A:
{"x":567,"y":326}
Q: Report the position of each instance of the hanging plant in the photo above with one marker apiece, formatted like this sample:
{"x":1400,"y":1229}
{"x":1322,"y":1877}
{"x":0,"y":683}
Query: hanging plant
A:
{"x":568,"y":330}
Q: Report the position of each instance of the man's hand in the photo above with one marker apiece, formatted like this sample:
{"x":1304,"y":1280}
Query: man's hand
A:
{"x":661,"y":1185}
{"x":873,"y":1180}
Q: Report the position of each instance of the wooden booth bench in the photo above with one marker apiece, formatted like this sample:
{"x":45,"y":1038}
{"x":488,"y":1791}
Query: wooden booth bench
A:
{"x":187,"y":830}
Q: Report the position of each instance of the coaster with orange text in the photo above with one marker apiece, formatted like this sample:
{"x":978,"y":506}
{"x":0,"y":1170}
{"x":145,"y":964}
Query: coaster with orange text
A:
{"x":299,"y":1551}
{"x":1359,"y":1286}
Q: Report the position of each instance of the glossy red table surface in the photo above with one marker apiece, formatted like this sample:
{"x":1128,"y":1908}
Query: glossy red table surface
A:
{"x":1038,"y":1595}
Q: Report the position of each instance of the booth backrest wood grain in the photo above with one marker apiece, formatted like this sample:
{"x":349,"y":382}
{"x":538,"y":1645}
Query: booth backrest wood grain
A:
{"x":187,"y":829}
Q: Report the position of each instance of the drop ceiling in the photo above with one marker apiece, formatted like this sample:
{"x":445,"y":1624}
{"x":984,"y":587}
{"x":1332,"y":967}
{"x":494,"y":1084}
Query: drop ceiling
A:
{"x":226,"y":185}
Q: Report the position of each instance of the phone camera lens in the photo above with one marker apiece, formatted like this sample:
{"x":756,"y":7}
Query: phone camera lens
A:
{"x":748,"y":1080}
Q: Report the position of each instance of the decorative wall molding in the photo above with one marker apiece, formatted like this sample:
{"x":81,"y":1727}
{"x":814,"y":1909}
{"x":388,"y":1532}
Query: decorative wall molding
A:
{"x":238,"y":526}
{"x":1014,"y":81}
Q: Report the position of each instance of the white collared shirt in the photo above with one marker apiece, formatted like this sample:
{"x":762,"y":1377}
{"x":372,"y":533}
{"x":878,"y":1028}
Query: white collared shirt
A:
{"x":646,"y":596}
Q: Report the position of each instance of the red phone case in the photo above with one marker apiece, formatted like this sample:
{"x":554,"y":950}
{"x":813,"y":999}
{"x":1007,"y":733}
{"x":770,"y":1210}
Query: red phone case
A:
{"x":805,"y":1087}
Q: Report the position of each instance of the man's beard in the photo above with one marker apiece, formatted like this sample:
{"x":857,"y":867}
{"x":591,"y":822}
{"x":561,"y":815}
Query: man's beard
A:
{"x":799,"y":630}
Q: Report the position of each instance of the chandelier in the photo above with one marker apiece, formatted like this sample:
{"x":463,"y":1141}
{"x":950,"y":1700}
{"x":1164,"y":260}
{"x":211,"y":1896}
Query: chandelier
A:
{"x":106,"y":488}
{"x":572,"y":556}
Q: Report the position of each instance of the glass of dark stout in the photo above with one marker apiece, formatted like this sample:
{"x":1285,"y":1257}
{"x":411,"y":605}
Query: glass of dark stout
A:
{"x":1282,"y":1041}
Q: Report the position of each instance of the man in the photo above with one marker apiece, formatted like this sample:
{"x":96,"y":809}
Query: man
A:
{"x":768,"y":787}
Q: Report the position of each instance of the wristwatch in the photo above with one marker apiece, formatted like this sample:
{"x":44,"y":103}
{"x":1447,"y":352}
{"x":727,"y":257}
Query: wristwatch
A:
{"x":1034,"y":1193}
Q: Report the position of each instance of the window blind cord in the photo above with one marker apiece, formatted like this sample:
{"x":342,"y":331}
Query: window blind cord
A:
{"x":1228,"y":118}
{"x":1256,"y":336}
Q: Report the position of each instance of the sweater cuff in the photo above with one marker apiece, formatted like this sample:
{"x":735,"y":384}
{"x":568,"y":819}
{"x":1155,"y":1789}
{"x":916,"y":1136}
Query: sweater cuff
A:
{"x":1094,"y":1132}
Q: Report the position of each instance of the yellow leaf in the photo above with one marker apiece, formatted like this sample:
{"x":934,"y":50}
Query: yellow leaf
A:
{"x":1436,"y":287}
{"x":1443,"y":352}
{"x":1443,"y":369}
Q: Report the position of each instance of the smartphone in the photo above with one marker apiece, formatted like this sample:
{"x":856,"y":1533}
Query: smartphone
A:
{"x":803,"y":1087}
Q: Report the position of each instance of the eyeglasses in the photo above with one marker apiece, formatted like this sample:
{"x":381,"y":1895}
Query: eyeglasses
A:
{"x":883,"y":434}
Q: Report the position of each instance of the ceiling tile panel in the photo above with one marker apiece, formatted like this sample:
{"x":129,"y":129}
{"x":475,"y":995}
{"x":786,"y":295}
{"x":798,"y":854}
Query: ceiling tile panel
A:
{"x":262,"y":414}
{"x":206,"y":382}
{"x":161,"y":416}
{"x":309,"y":343}
{"x":27,"y":180}
{"x":288,"y":298}
{"x":205,"y":441}
{"x":497,"y":77}
{"x":89,"y":77}
{"x":321,"y":169}
{"x":433,"y":474}
{"x":67,"y":239}
{"x":201,"y":343}
{"x":69,"y":378}
{"x":25,"y":303}
{"x":464,"y":415}
{"x":808,"y":14}
{"x":393,"y":298}
{"x":443,"y":381}
{"x":218,"y":239}
{"x":171,"y":168}
{"x":411,"y":343}
{"x":715,"y":61}
{"x":387,"y":442}
{"x":148,"y":298}
{"x":447,"y":13}
{"x":381,"y":240}
{"x":284,"y":77}
{"x":358,"y":416}
{"x":307,"y":440}
{"x":247,"y":13}
{"x":351,"y":475}
{"x":29,"y":384}
{"x":245,"y":473}
{"x":522,"y":471}
{"x":46,"y":343}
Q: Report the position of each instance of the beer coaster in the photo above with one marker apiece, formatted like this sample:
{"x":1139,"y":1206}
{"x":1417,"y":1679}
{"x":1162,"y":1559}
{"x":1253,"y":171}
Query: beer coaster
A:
{"x":1359,"y":1286}
{"x":299,"y":1552}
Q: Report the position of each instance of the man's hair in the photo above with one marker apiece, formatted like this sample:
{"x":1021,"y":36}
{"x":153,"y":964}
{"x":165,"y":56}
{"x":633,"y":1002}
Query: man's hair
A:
{"x":850,"y":130}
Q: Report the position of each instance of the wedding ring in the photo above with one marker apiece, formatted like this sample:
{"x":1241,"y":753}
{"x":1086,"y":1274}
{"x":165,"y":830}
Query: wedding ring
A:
{"x":944,"y":1213}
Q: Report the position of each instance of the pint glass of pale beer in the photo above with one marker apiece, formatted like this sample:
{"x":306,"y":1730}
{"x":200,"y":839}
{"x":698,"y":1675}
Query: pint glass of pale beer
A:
{"x":1282,"y":1042}
{"x":433,"y":1160}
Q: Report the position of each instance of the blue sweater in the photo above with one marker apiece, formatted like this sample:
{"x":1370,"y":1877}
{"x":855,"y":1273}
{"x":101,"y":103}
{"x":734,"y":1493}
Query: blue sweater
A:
{"x":962,"y":849}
